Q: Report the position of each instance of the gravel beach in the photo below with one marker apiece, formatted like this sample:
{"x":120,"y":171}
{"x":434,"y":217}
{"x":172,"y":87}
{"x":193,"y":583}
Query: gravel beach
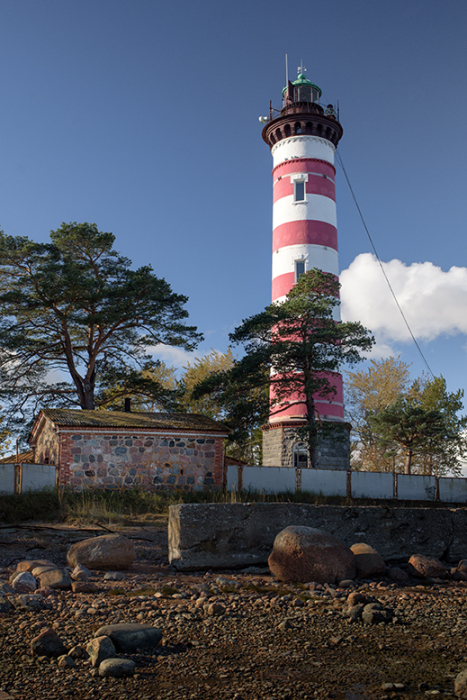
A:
{"x":229,"y":634}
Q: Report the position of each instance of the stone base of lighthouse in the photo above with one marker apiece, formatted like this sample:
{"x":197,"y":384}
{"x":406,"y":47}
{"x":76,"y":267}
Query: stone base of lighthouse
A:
{"x":281,"y":447}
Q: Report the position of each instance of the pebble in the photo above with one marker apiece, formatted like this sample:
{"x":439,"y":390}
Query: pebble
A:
{"x":242,"y":652}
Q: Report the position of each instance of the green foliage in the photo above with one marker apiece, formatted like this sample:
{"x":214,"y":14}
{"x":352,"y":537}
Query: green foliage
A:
{"x":5,"y":434}
{"x":423,"y":428}
{"x":368,"y":391}
{"x":198,"y":371}
{"x":302,"y":343}
{"x":75,"y":306}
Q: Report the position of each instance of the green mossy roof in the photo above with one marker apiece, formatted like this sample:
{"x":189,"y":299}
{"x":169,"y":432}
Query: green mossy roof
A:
{"x":66,"y":417}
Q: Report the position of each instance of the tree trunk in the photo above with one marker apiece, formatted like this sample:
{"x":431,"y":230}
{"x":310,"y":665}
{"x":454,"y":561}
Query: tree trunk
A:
{"x":89,"y":403}
{"x":408,"y":464}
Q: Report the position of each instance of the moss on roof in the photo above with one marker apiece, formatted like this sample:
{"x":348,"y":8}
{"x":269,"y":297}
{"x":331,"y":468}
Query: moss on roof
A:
{"x":119,"y":419}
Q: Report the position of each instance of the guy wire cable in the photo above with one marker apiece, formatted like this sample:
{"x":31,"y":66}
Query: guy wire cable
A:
{"x":340,"y":161}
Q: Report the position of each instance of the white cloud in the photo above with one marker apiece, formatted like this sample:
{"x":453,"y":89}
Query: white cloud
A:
{"x":173,"y":356}
{"x":433,"y":301}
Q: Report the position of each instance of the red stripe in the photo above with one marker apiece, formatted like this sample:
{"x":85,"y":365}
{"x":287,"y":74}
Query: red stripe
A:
{"x":315,"y":185}
{"x":324,"y":407}
{"x":311,"y":165}
{"x":298,"y":410}
{"x":282,"y":284}
{"x":304,"y":232}
{"x":334,"y":378}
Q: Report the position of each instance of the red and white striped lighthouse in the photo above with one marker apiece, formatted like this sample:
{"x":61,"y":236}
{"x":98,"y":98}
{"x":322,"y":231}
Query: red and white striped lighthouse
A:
{"x":302,"y":137}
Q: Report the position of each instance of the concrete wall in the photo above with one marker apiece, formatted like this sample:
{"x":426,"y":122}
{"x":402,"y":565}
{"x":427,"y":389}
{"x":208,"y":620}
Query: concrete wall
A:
{"x":19,"y":478}
{"x":269,"y":479}
{"x":204,"y":536}
{"x":337,"y":482}
{"x":37,"y":476}
{"x":7,"y":478}
{"x":416,"y":488}
{"x":453,"y":490}
{"x":332,"y":482}
{"x":372,"y":485}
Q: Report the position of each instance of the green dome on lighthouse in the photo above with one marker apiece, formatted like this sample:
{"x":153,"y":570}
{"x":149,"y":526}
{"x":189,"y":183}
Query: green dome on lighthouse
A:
{"x":302,"y":80}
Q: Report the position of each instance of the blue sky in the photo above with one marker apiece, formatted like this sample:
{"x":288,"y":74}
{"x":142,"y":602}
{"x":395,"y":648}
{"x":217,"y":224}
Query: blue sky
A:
{"x":142,"y":116}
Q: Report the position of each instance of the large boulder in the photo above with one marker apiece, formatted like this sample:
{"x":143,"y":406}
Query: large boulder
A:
{"x":302,"y":554}
{"x":422,"y":566}
{"x":105,"y":552}
{"x":367,"y":560}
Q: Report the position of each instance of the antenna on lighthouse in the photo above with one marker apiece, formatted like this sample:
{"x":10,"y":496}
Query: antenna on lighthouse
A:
{"x":286,"y":71}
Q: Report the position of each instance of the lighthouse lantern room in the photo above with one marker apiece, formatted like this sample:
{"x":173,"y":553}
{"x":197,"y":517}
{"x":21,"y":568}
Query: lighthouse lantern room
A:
{"x":303,"y":137}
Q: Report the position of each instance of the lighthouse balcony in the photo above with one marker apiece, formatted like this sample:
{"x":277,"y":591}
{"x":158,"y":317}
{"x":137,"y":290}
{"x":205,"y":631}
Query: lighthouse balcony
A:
{"x":300,"y":107}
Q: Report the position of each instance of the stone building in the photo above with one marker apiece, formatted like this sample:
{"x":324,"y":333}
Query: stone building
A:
{"x":112,"y":449}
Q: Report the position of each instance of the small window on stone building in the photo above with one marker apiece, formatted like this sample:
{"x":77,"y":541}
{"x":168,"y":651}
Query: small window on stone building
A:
{"x":300,"y":455}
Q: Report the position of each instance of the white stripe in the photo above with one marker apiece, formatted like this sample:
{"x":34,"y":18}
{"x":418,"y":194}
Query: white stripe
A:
{"x":303,"y":147}
{"x":325,"y":259}
{"x":302,"y":172}
{"x":317,"y":207}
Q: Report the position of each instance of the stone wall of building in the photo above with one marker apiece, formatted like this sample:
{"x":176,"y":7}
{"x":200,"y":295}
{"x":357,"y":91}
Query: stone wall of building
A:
{"x":47,"y":450}
{"x":279,"y":440}
{"x":99,"y":458}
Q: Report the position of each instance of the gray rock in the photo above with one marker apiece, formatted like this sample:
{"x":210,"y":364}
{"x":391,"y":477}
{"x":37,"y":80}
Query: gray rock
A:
{"x":355,"y":612}
{"x":423,"y":566}
{"x":28,"y":601}
{"x":129,"y":636}
{"x":302,"y":554}
{"x":66,"y":661}
{"x":375,"y":612}
{"x":30,"y":564}
{"x":284,"y":625}
{"x":7,"y":536}
{"x":114,"y":576}
{"x":117,"y":668}
{"x":6,"y":588}
{"x":397,"y":575}
{"x":83,"y":587}
{"x":24,"y":582}
{"x":99,"y":649}
{"x":80,"y":573}
{"x":226,"y":582}
{"x":55,"y":578}
{"x":77,"y":652}
{"x":105,"y":552}
{"x":38,"y":570}
{"x":367,"y":560}
{"x":48,"y":643}
{"x":215,"y":609}
{"x":5,"y":605}
{"x":357,"y":597}
{"x":460,"y":685}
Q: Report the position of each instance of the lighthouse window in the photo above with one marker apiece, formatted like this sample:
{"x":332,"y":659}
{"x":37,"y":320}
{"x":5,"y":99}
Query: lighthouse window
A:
{"x":299,"y":191}
{"x":304,"y":94}
{"x":299,"y":269}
